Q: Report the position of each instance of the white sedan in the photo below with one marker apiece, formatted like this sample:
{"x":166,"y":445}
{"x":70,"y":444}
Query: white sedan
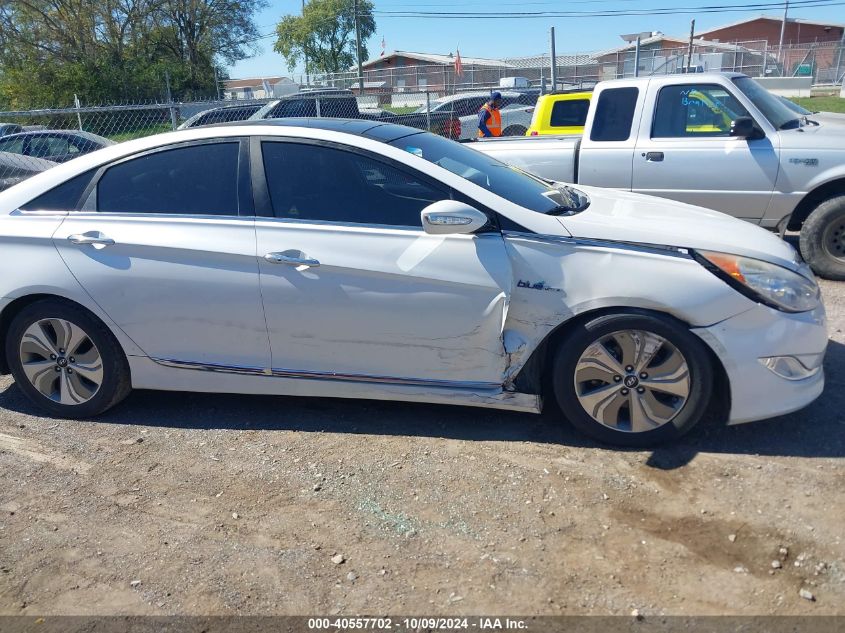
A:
{"x":359,"y":259}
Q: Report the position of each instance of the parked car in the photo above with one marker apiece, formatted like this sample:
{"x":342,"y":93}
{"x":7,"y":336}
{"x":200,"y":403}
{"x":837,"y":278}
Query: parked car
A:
{"x":560,"y":113}
{"x":222,"y":114}
{"x":718,"y":140}
{"x":9,"y":128}
{"x":517,"y":108}
{"x":58,"y":146}
{"x":814,"y":116}
{"x":326,"y":103}
{"x":383,"y":262}
{"x":15,"y":168}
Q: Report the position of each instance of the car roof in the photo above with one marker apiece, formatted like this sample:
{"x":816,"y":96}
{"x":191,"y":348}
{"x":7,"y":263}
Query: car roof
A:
{"x":385,"y":132}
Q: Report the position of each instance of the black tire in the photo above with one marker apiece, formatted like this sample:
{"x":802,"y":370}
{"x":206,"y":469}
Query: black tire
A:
{"x":692,"y":349}
{"x":115,"y":385}
{"x":515,"y":130}
{"x":822,"y":240}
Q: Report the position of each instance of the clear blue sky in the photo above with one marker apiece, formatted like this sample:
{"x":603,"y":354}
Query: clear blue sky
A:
{"x":506,"y":37}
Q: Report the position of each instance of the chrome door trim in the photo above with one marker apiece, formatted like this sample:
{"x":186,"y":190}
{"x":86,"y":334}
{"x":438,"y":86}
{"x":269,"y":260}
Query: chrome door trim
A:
{"x":334,"y":376}
{"x":662,"y":249}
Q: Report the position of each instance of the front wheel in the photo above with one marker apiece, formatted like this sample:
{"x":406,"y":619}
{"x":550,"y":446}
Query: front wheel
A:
{"x":65,"y":360}
{"x":822,"y":240}
{"x":632,"y":379}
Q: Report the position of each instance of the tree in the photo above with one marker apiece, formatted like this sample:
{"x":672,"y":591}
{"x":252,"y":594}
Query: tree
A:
{"x":117,"y":50}
{"x":324,"y":35}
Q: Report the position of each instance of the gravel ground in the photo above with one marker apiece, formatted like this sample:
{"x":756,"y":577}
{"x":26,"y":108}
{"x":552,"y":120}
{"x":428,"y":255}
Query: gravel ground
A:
{"x":193,"y":504}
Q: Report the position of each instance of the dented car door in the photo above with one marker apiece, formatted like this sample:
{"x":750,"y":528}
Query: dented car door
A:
{"x":354,"y":288}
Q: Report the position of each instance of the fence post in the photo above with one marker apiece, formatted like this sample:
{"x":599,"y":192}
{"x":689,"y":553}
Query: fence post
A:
{"x":428,"y":110}
{"x":77,"y":106}
{"x":553,"y":57}
{"x":173,"y":119}
{"x":637,"y":58}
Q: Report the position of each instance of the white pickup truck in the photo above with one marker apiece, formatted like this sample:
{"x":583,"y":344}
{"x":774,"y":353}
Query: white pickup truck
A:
{"x":716,"y":140}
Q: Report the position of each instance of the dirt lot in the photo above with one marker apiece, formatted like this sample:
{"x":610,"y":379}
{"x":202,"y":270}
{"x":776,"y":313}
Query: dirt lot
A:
{"x":191,"y":504}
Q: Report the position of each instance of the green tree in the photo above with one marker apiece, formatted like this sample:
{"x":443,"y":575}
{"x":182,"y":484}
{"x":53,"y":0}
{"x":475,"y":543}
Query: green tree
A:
{"x":324,"y":35}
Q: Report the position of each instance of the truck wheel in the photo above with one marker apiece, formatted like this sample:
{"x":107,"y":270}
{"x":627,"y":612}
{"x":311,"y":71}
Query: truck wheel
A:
{"x":515,"y":130}
{"x":822,"y":240}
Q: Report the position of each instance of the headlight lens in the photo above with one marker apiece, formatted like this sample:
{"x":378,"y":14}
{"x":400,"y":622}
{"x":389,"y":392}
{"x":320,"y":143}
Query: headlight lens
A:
{"x":773,"y":285}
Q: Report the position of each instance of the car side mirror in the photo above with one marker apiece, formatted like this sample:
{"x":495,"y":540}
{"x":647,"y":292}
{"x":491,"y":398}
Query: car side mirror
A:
{"x":449,"y":217}
{"x":744,"y":127}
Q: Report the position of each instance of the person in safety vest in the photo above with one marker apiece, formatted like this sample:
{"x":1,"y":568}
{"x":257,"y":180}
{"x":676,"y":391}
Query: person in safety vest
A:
{"x":489,"y":117}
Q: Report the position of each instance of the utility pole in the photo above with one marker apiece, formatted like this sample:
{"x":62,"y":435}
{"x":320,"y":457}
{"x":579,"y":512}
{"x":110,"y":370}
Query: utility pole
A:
{"x":305,"y":55}
{"x":689,"y":51}
{"x":637,"y":58}
{"x":216,"y":83}
{"x":553,"y":57}
{"x":782,"y":31}
{"x":358,"y":48}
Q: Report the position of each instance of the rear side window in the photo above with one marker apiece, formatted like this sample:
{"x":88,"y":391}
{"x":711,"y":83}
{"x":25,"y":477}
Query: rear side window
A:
{"x":569,"y":113}
{"x":64,"y":197}
{"x":314,"y":182}
{"x":45,"y":146}
{"x":14,"y":145}
{"x":338,"y":107}
{"x":614,"y":115}
{"x":294,"y":107}
{"x":195,"y":180}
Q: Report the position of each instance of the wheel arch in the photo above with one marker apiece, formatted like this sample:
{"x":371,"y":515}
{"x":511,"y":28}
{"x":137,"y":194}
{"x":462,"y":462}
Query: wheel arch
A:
{"x":534,"y":378}
{"x":813,"y":199}
{"x":13,"y":308}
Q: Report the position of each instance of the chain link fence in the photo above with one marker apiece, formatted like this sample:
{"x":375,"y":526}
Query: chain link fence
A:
{"x":430,"y":97}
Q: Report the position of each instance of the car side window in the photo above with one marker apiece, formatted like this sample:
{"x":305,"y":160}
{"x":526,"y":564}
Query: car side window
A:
{"x":315,"y":182}
{"x":44,"y":146}
{"x":14,"y":145}
{"x":338,"y":107}
{"x":614,"y":117}
{"x":293,"y":108}
{"x":569,"y":113}
{"x":64,"y":197}
{"x":695,"y":110}
{"x":193,"y":180}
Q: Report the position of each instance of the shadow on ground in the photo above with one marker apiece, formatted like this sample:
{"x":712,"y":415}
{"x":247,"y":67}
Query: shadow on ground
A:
{"x":816,"y":431}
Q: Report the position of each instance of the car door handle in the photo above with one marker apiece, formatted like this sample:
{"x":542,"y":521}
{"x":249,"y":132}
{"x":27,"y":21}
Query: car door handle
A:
{"x":654,"y":157}
{"x":291,"y":260}
{"x":94,"y":238}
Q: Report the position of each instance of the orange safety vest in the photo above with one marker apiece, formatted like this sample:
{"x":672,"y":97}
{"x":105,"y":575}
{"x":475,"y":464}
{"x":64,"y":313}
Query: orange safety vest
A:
{"x":494,"y":123}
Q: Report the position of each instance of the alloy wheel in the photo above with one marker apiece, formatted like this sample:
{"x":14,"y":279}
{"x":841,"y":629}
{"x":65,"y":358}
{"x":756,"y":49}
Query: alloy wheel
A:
{"x":632,"y":381}
{"x":61,"y":361}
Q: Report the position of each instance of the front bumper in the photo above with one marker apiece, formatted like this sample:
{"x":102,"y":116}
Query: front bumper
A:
{"x":742,"y":341}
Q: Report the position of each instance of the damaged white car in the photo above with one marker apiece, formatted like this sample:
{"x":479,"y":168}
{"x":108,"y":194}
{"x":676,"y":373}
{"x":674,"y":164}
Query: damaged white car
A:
{"x":358,"y":259}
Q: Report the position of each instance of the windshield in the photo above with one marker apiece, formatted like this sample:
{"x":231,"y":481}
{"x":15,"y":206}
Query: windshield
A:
{"x":504,"y":180}
{"x":795,"y":107}
{"x":781,"y":117}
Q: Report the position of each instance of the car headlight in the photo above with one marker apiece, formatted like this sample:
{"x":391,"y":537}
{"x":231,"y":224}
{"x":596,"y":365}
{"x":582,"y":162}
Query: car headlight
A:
{"x":774,"y":285}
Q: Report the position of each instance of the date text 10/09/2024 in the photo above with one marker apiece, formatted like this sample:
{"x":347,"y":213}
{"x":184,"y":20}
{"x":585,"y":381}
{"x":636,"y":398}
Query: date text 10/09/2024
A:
{"x":416,"y":623}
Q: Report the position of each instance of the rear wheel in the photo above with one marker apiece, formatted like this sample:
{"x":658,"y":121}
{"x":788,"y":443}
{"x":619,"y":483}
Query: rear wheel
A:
{"x":632,"y":379}
{"x":65,"y":360}
{"x":822,"y":240}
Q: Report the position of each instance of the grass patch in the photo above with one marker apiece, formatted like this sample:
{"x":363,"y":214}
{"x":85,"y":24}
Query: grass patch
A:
{"x":401,"y":109}
{"x":140,"y":132}
{"x":821,"y":104}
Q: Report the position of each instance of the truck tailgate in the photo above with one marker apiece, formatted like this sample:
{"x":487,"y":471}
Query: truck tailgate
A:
{"x":551,"y":157}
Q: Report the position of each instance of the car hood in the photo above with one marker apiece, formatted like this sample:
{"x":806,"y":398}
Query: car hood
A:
{"x":634,"y":218}
{"x":810,"y":138}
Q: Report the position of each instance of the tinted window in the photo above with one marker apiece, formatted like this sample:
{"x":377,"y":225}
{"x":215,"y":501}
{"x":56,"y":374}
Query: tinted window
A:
{"x":294,"y":107}
{"x":570,"y":113}
{"x":14,"y":145}
{"x":614,"y":115}
{"x":313,"y":182}
{"x":65,"y":197}
{"x":225,"y":114}
{"x":200,"y":179}
{"x":45,"y":146}
{"x":504,"y":180}
{"x":694,"y":111}
{"x":338,"y":107}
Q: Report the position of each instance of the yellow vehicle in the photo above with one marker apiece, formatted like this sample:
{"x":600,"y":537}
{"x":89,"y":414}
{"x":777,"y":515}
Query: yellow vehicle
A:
{"x":560,"y":113}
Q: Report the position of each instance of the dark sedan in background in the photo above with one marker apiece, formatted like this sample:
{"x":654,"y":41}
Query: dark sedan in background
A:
{"x":58,"y":146}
